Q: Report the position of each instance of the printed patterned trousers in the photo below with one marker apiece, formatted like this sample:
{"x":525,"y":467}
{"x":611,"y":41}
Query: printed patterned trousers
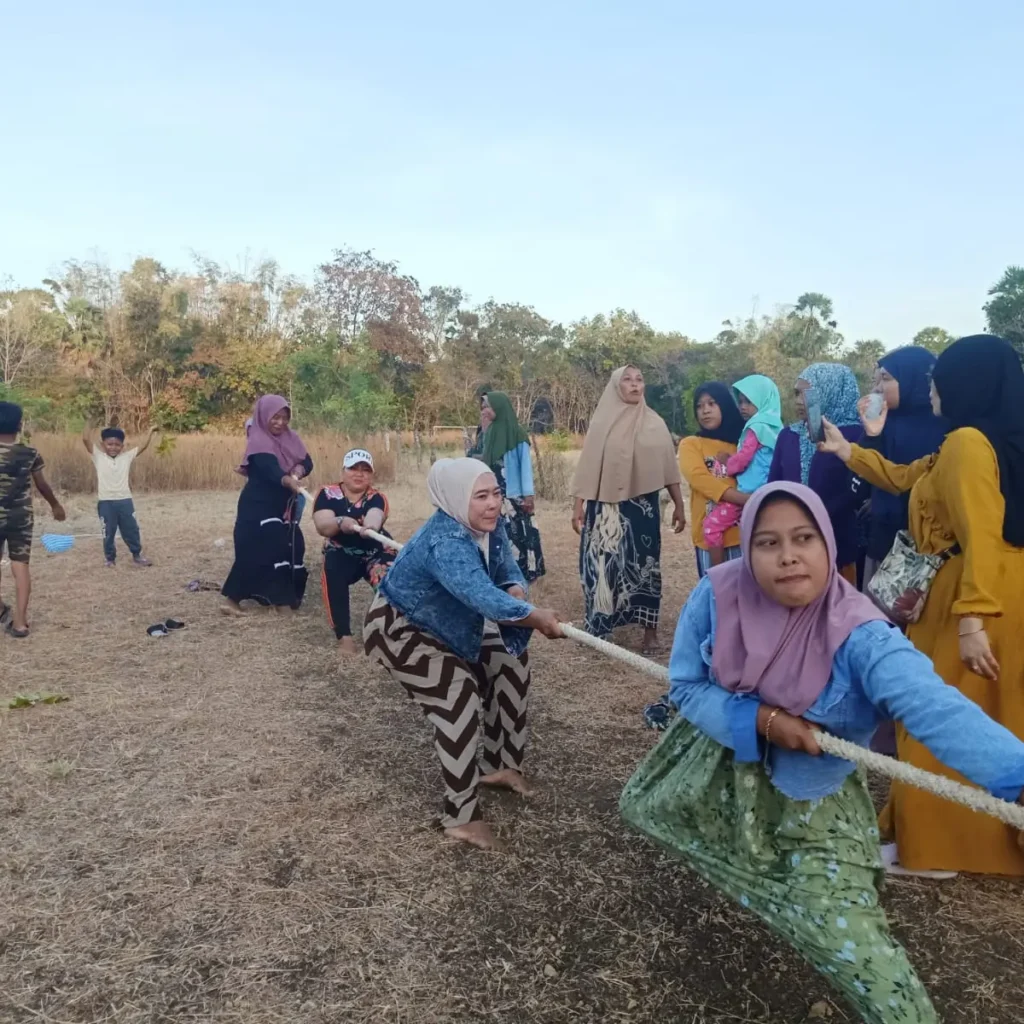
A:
{"x":464,"y":702}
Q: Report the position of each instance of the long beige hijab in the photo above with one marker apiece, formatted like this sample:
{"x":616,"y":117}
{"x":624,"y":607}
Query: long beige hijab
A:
{"x":627,"y":452}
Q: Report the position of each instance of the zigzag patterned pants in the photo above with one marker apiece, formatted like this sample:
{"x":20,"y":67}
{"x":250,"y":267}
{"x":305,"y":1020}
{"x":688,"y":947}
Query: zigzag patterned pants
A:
{"x":458,"y":697}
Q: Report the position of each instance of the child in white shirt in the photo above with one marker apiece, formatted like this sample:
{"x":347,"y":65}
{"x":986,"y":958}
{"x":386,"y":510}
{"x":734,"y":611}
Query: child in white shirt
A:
{"x":115,"y":505}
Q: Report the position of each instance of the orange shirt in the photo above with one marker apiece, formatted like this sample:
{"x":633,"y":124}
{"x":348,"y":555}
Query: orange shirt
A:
{"x":704,"y":485}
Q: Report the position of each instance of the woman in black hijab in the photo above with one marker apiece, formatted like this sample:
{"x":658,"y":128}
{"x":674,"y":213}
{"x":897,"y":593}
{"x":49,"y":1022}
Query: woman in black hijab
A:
{"x":719,"y":426}
{"x":967,"y":502}
{"x":980,"y":384}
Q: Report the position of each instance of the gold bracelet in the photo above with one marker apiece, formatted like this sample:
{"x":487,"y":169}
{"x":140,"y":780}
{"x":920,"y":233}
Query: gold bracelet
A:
{"x":768,"y":725}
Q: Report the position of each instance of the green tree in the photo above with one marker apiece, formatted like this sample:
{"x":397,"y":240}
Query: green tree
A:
{"x":812,"y":333}
{"x":935,"y":339}
{"x":1004,"y":311}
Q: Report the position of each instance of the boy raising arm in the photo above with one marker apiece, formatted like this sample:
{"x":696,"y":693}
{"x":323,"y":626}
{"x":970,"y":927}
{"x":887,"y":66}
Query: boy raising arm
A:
{"x":20,"y":467}
{"x":116,"y":508}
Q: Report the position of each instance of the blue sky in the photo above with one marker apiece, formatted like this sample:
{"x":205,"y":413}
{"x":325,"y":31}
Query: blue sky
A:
{"x":691,"y":161}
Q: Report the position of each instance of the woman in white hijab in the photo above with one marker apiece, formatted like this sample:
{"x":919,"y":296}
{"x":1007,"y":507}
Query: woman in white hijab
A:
{"x":451,"y":622}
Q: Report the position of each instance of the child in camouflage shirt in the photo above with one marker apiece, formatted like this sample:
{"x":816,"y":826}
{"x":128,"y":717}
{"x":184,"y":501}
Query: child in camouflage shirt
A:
{"x":20,"y":466}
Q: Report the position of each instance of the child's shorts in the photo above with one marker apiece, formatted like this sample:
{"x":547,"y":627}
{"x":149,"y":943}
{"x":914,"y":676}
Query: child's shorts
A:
{"x":722,"y":518}
{"x":16,"y":538}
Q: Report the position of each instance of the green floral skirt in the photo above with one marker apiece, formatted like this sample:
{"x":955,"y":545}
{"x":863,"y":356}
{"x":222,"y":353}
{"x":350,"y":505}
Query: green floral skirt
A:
{"x":809,"y":869}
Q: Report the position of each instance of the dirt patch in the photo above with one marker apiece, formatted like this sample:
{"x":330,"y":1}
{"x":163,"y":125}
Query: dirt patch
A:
{"x":222,"y":825}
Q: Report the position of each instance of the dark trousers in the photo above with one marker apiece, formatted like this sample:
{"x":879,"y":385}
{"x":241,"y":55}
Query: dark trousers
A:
{"x":119,"y":515}
{"x":341,"y":570}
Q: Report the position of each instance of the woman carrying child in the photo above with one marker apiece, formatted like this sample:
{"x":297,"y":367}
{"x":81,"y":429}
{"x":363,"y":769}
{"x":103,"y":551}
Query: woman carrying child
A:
{"x":342,"y":513}
{"x":760,"y":405}
{"x":769,"y":648}
{"x":451,"y":622}
{"x":269,"y":548}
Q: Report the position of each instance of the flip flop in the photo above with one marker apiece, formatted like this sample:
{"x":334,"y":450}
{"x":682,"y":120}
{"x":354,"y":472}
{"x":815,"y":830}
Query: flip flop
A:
{"x":158,"y":630}
{"x":174,"y":624}
{"x":18,"y":634}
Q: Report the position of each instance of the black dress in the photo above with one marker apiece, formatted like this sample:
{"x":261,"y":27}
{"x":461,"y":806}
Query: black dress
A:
{"x":269,"y":546}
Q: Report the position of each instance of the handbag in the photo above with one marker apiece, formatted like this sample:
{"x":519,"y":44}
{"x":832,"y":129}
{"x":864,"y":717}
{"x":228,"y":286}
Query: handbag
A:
{"x":901,"y":584}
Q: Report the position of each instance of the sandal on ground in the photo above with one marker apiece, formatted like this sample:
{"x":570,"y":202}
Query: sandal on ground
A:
{"x":18,"y":634}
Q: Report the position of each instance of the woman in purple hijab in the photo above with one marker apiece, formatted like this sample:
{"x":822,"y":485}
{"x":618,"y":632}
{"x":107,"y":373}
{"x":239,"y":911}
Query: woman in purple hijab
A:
{"x":770,"y":648}
{"x":269,"y":548}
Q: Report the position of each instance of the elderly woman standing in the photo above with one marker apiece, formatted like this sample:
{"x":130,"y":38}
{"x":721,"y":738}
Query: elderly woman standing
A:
{"x":797,"y":459}
{"x":269,"y":547}
{"x":505,"y":450}
{"x":720,"y":425}
{"x":627,"y":458}
{"x":966,"y":504}
{"x":451,"y":622}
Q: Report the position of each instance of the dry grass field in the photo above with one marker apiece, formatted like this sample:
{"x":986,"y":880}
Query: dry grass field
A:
{"x":223,"y":825}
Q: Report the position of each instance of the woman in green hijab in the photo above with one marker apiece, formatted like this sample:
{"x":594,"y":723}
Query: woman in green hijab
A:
{"x":505,"y":449}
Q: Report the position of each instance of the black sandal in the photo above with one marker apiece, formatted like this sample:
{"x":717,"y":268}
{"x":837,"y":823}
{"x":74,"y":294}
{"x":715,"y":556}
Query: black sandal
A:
{"x":18,"y":634}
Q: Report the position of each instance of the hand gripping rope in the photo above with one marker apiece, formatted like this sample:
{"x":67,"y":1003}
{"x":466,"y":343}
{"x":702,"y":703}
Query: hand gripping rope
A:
{"x":948,"y":789}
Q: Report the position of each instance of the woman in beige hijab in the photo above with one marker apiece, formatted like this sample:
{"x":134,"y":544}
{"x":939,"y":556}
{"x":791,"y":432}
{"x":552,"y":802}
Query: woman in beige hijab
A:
{"x":628,"y":457}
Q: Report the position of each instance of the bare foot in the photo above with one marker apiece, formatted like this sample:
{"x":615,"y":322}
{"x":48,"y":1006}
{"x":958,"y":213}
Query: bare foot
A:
{"x":231,"y":608}
{"x":651,"y":644}
{"x":346,"y":646}
{"x":507,"y":778}
{"x":478,"y":834}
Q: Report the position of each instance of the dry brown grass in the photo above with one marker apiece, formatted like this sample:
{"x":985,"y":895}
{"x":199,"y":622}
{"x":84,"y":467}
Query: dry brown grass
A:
{"x":221,"y":827}
{"x":206,"y":462}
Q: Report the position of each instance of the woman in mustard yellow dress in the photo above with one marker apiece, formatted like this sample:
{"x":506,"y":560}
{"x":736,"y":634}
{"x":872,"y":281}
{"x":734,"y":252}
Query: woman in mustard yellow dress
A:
{"x":970,"y":494}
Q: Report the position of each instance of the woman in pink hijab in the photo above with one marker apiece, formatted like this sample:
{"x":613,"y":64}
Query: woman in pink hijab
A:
{"x":769,"y":649}
{"x":269,"y":547}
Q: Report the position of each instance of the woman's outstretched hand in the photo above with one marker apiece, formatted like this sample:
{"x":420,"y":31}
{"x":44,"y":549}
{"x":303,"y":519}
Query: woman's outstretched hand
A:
{"x":872,"y":427}
{"x":787,"y":731}
{"x":835,"y":443}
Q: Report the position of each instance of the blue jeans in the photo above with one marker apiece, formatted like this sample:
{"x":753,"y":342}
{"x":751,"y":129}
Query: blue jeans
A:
{"x":119,"y":515}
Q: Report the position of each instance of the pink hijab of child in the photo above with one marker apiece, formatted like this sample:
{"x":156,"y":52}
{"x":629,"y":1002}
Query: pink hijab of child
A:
{"x":784,"y":655}
{"x":286,"y":446}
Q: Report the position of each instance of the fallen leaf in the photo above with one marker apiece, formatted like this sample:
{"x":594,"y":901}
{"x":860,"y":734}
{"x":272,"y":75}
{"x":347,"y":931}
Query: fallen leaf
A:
{"x":549,"y":971}
{"x":819,"y":1011}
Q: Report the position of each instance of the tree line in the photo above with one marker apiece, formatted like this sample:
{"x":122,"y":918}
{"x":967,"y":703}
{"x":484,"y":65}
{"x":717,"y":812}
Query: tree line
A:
{"x":365,"y":348}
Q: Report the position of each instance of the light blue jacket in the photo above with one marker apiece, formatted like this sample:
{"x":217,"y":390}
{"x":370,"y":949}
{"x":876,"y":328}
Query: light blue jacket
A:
{"x":518,"y":471}
{"x":440,"y":583}
{"x":756,"y":474}
{"x":876,"y":675}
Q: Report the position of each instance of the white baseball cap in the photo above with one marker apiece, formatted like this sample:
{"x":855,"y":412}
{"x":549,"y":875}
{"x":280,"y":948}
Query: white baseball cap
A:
{"x":357,"y":455}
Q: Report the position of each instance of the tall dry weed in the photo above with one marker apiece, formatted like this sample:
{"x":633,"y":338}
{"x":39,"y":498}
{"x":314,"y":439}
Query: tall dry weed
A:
{"x":200,"y":462}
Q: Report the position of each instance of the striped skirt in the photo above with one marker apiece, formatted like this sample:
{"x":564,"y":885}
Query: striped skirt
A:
{"x":469,"y":704}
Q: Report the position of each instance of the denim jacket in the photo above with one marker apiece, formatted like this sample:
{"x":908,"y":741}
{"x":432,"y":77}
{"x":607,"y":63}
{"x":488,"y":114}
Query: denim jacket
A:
{"x":440,"y":583}
{"x":877,"y":674}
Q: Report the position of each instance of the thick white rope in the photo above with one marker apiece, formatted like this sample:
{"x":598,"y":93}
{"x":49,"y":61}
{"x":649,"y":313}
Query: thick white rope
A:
{"x":948,"y":789}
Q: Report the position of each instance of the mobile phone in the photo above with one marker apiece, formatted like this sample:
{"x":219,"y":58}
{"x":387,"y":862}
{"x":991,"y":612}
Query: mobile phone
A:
{"x":815,"y":428}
